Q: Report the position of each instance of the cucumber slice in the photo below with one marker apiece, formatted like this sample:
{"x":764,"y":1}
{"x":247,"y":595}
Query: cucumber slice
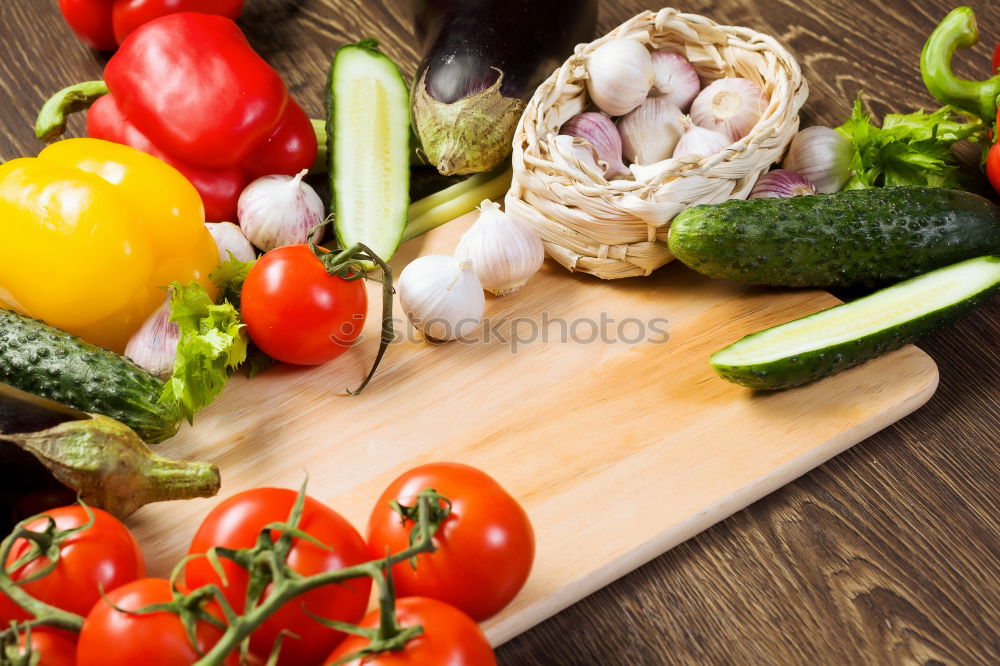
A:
{"x":368,"y":135}
{"x":827,"y":342}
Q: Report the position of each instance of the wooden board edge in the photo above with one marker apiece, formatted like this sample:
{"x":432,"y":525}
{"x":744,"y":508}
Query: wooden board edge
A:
{"x":503,"y":629}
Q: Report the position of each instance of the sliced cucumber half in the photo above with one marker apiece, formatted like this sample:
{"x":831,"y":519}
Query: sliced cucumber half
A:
{"x":827,"y":342}
{"x":368,"y":135}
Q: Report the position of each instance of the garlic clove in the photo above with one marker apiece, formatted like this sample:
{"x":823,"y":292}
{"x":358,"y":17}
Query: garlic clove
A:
{"x":442,"y":296}
{"x":280,"y":210}
{"x":822,"y":155}
{"x":601,"y":133}
{"x":504,"y":251}
{"x":620,"y":74}
{"x":651,"y":131}
{"x":675,"y":79}
{"x":731,"y":106}
{"x":229,"y":238}
{"x":154,"y":346}
{"x":781,"y":184}
{"x":700,"y":142}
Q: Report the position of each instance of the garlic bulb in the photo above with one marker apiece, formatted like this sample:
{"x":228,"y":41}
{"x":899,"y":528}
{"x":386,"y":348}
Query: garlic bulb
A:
{"x":675,"y":79}
{"x":781,"y":184}
{"x":601,"y":133}
{"x":620,"y":74}
{"x":698,"y":141}
{"x":731,"y":106}
{"x":229,"y":238}
{"x":504,"y":251}
{"x":822,"y":155}
{"x":442,"y":296}
{"x":651,"y":131}
{"x":154,"y":346}
{"x":278,"y":210}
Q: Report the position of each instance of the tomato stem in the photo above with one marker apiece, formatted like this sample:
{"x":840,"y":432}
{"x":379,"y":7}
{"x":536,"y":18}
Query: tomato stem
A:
{"x":47,"y":544}
{"x":349,"y":264}
{"x":284,"y":586}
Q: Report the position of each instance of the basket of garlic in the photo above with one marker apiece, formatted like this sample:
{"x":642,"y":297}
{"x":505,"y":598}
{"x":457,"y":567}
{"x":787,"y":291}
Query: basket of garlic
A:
{"x":698,"y":111}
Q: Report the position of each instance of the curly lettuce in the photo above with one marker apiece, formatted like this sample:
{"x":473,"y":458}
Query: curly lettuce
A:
{"x":212,"y":343}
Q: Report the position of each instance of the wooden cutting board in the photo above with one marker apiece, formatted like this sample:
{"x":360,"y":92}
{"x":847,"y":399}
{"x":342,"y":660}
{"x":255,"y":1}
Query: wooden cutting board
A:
{"x":619,"y":449}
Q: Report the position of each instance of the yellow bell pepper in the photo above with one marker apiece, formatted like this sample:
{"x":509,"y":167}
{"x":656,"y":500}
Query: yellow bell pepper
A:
{"x":90,"y":234}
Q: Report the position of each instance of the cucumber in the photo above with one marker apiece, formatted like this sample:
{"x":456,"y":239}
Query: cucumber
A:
{"x":54,"y":364}
{"x":856,"y":238}
{"x":844,"y":336}
{"x":368,"y":135}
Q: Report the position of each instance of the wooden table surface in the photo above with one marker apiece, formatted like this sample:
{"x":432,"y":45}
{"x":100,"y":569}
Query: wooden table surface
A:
{"x":890,"y":552}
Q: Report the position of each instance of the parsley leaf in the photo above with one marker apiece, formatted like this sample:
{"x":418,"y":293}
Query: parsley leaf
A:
{"x":909,"y":149}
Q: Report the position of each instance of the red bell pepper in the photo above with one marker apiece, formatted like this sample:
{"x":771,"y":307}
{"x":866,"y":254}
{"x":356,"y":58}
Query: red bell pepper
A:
{"x":103,"y":24}
{"x":996,"y":60}
{"x":188,"y":89}
{"x":993,"y":166}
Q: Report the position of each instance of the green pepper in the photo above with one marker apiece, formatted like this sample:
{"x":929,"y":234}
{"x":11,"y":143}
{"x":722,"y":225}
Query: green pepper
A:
{"x":957,"y":31}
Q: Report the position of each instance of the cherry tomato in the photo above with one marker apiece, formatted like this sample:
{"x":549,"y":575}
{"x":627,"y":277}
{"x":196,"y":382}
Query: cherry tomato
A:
{"x":112,"y":638}
{"x":237,"y":522}
{"x":53,"y":647}
{"x":485,"y":547}
{"x":296,"y":312}
{"x":450,"y":638}
{"x":993,"y":165}
{"x":105,"y":556}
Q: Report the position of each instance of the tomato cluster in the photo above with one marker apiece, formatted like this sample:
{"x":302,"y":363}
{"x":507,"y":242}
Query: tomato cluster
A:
{"x":485,"y":549}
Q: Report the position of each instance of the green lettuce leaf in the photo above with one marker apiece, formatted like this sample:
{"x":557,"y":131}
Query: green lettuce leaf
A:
{"x":909,"y":149}
{"x":229,"y":277}
{"x":212,"y":343}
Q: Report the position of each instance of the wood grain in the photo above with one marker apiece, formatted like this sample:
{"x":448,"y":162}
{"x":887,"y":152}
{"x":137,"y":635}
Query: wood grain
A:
{"x":887,"y":554}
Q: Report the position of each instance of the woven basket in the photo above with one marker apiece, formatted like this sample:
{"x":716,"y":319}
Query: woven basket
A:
{"x":618,"y":229}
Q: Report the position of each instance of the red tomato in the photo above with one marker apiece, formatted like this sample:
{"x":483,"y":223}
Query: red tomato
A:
{"x":53,"y":647}
{"x":450,"y":638}
{"x":102,"y":557}
{"x":112,"y":638}
{"x":237,"y":522}
{"x":485,"y":546}
{"x":91,"y":21}
{"x":128,"y":15}
{"x":296,"y":312}
{"x":993,"y":165}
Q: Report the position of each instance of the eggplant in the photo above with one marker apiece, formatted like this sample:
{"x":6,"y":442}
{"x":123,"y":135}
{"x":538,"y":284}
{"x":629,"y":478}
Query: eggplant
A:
{"x":483,"y":60}
{"x":51,"y":453}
